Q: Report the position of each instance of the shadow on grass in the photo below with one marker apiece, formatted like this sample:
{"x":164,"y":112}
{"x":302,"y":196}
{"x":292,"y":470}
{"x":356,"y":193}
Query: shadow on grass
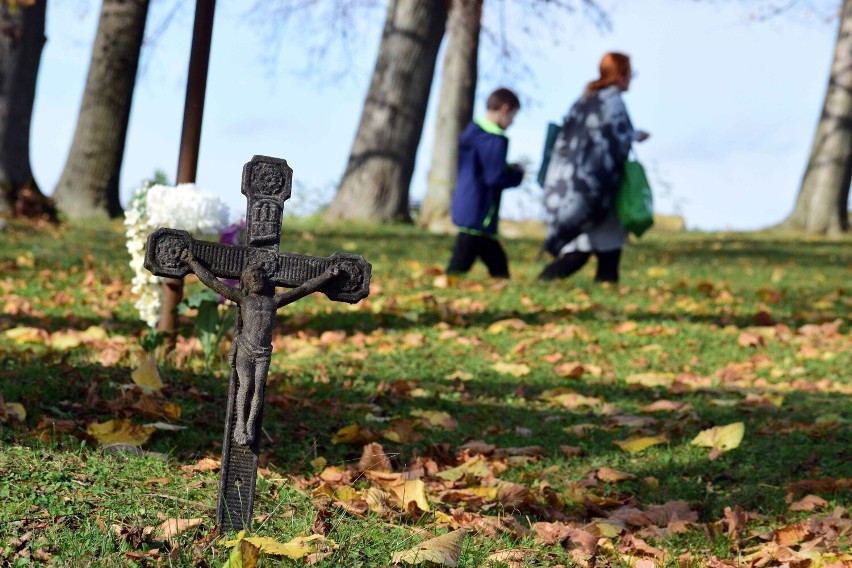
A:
{"x":781,"y":446}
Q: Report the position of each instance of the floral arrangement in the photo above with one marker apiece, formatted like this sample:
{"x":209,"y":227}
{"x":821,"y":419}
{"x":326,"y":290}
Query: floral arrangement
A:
{"x":154,"y":205}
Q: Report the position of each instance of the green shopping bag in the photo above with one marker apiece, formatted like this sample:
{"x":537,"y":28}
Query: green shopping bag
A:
{"x":549,"y":140}
{"x":634,"y":202}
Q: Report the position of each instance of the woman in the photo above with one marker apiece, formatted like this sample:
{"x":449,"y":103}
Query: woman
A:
{"x":584,"y":172}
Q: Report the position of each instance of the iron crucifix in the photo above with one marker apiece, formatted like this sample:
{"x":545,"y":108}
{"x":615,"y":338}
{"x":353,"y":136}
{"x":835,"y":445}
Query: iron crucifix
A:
{"x":267,"y":184}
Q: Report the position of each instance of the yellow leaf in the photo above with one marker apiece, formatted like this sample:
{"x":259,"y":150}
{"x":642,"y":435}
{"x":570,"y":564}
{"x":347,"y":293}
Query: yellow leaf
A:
{"x":650,"y":379}
{"x":16,"y":411}
{"x":120,"y":432}
{"x":636,"y":445}
{"x":147,"y":375}
{"x":173,"y":527}
{"x":444,"y":550}
{"x":487,"y":493}
{"x":244,"y":555}
{"x":171,"y":410}
{"x":347,"y":434}
{"x":347,"y":493}
{"x":609,"y":528}
{"x":412,"y":491}
{"x":62,"y":340}
{"x":459,"y":375}
{"x":503,"y":325}
{"x":25,"y":334}
{"x":514,"y":369}
{"x":319,"y":462}
{"x":436,"y":418}
{"x":568,"y":398}
{"x":25,"y":260}
{"x":94,"y":333}
{"x":475,"y":466}
{"x":297,"y":548}
{"x":721,"y":438}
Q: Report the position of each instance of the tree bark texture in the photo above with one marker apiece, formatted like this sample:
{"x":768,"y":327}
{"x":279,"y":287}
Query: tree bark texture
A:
{"x":21,"y":41}
{"x":822,"y":203}
{"x":88,"y":186}
{"x":455,"y":110}
{"x":376,"y":181}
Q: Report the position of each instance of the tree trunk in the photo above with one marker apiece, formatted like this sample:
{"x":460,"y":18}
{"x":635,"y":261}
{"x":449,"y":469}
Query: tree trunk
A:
{"x":822,"y":204}
{"x":455,"y":110}
{"x":21,"y":41}
{"x":377,"y":178}
{"x":88,"y":186}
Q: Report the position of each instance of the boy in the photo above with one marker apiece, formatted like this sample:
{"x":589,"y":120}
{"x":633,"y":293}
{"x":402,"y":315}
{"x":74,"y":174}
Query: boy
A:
{"x":483,"y":174}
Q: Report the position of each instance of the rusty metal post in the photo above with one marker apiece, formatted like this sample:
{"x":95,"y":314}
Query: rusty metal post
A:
{"x":190,"y":140}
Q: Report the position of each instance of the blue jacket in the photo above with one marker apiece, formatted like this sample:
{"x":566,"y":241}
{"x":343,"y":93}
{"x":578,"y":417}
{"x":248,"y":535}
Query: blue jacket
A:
{"x":482,"y":176}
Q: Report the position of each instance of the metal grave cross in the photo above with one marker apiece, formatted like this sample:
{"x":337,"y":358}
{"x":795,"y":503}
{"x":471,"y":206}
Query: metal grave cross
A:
{"x":267,"y":184}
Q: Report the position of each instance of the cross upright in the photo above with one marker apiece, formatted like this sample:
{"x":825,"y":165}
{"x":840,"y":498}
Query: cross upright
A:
{"x":345,"y":277}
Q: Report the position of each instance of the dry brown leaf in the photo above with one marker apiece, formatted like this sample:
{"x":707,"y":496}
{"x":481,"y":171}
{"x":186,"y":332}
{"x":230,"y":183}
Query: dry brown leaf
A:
{"x":374,"y":458}
{"x":571,"y":370}
{"x":443,"y":550}
{"x":612,"y":475}
{"x":809,"y":503}
{"x":173,"y":527}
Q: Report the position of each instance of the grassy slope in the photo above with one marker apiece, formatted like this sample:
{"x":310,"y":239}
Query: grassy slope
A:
{"x":686,"y":313}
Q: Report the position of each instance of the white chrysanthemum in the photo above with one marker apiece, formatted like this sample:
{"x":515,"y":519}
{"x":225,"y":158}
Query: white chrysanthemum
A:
{"x":185,"y":207}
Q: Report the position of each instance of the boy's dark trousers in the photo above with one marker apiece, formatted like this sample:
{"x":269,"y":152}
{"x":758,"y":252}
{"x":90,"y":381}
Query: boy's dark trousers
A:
{"x":468,"y":247}
{"x":569,"y":263}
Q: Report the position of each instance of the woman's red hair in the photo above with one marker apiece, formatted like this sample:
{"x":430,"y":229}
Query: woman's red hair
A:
{"x":613,"y":67}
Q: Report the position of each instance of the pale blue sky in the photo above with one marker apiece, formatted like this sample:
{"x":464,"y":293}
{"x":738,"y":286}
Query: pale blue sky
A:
{"x":731,"y":104}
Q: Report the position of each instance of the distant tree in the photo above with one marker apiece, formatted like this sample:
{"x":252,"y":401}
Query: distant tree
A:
{"x":455,"y":110}
{"x":822,"y":204}
{"x":376,"y":181}
{"x":88,"y":186}
{"x":21,"y":41}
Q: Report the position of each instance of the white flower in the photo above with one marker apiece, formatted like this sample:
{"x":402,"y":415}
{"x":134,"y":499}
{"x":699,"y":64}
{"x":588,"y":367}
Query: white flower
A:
{"x":185,"y":207}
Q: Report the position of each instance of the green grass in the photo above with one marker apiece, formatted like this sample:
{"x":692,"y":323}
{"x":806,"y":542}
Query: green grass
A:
{"x":681,"y":312}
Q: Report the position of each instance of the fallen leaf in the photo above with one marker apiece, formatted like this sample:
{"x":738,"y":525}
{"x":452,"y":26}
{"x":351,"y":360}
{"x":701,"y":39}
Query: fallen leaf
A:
{"x":460,"y":376}
{"x":444,"y":550}
{"x":512,"y":557}
{"x":503,"y":325}
{"x":295,"y":549}
{"x":374,"y":458}
{"x":514,"y":369}
{"x":650,"y":380}
{"x":244,"y":555}
{"x":571,"y":370}
{"x":666,"y":406}
{"x":147,"y":375}
{"x":436,"y":418}
{"x":412,"y":491}
{"x":25,"y":334}
{"x":720,"y":438}
{"x":612,"y":475}
{"x":475,"y":467}
{"x":809,"y":503}
{"x":173,"y":527}
{"x":636,"y":445}
{"x":204,"y":464}
{"x":15,"y":411}
{"x":120,"y":431}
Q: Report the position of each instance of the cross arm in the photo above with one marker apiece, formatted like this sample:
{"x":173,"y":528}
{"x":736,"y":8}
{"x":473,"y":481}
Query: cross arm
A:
{"x":307,"y":288}
{"x":231,"y":292}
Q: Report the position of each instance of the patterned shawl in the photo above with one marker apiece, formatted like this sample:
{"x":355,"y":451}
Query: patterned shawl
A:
{"x":586,"y":166}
